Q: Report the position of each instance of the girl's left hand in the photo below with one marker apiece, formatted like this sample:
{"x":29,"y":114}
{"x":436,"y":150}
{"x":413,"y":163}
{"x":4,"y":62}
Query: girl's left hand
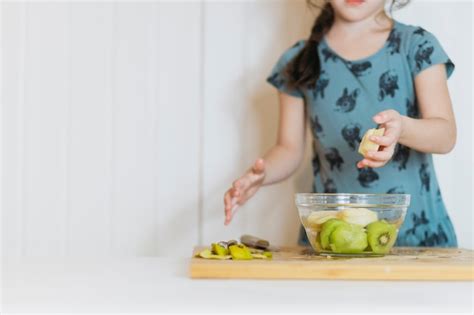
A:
{"x":391,"y":120}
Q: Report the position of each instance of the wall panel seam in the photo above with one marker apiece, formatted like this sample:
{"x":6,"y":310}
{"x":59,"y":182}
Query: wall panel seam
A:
{"x":22,"y":206}
{"x":67,"y":136}
{"x":202,"y":69}
{"x":110,"y":131}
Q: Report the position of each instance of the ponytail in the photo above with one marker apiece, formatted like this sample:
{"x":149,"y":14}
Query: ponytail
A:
{"x":303,"y":71}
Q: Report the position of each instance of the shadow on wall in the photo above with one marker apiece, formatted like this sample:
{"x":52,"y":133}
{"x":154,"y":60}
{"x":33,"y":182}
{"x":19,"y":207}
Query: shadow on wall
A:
{"x":271,"y":212}
{"x":277,"y":212}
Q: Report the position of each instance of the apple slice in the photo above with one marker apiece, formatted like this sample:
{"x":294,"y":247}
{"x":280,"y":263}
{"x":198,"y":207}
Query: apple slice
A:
{"x":366,"y":144}
{"x":317,"y":218}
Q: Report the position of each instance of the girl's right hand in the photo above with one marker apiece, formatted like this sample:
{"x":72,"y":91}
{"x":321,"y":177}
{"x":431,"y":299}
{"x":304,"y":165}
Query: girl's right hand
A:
{"x":243,"y":189}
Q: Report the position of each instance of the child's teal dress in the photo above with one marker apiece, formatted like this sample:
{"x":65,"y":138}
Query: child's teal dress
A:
{"x":341,"y":106}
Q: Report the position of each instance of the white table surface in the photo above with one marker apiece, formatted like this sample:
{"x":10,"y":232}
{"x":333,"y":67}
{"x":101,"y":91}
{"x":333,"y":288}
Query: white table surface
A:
{"x":162,"y":284}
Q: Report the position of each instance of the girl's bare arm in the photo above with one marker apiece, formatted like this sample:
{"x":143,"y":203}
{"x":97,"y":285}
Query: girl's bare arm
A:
{"x":433,"y":132}
{"x":284,"y":157}
{"x":279,"y":162}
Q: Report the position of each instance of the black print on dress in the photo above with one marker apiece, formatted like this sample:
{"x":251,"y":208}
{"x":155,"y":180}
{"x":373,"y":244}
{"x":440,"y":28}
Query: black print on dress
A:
{"x":388,"y":84}
{"x":438,"y":238}
{"x":401,"y":156}
{"x":420,"y":31}
{"x":316,"y":165}
{"x":334,"y":158}
{"x":329,"y":55}
{"x":329,"y":187}
{"x":424,"y":177}
{"x":423,"y":55}
{"x":347,"y":102}
{"x":417,"y":221}
{"x":360,"y":69}
{"x":412,"y":109}
{"x":316,"y":126}
{"x":396,"y":190}
{"x":321,"y":84}
{"x":351,"y":133}
{"x":394,"y":40}
{"x":438,"y":195}
{"x":276,"y":80}
{"x":367,"y":177}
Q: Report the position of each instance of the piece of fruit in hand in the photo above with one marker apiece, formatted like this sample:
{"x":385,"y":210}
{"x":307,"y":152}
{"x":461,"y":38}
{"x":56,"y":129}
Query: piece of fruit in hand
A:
{"x":360,"y":216}
{"x":348,"y":239}
{"x":327,"y":229}
{"x":240,"y":252}
{"x":317,"y":218}
{"x":381,"y":236}
{"x":366,"y":144}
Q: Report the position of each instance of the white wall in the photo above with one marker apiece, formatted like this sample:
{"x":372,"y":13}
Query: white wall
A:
{"x":451,"y":22}
{"x":124,"y":123}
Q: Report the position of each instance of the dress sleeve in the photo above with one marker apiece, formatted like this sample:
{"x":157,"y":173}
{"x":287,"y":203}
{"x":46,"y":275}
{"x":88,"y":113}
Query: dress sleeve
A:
{"x":277,"y":76}
{"x":426,"y":51}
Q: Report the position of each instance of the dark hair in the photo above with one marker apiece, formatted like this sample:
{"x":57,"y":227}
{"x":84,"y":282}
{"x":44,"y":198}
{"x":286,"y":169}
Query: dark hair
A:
{"x":303,"y":71}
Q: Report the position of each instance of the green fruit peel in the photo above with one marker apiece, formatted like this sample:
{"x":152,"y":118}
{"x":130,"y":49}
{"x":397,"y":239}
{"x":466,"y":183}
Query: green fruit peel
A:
{"x":240,"y":252}
{"x":219,"y":249}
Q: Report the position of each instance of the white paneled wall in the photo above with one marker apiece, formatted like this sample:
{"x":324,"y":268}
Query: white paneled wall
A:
{"x":454,"y":170}
{"x":242,"y":42}
{"x":91,"y":143}
{"x":101,"y":107}
{"x":124,"y":123}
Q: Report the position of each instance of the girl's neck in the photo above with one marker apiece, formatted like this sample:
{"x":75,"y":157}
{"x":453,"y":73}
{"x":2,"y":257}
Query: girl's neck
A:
{"x":361,"y":39}
{"x":376,"y":23}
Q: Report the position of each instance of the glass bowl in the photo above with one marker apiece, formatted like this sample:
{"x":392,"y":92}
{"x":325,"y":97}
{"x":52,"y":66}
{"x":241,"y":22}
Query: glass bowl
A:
{"x":352,"y":224}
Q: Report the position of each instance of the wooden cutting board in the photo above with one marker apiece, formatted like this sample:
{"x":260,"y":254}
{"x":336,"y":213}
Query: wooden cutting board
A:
{"x":300,"y":263}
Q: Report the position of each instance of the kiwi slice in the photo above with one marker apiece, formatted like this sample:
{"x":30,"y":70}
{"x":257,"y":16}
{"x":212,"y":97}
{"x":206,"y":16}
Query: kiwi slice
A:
{"x":328,"y":227}
{"x":348,"y":239}
{"x":381,"y":236}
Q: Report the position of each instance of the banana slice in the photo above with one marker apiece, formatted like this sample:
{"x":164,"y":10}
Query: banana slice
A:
{"x":367,"y":145}
{"x":317,"y":218}
{"x":359,"y":216}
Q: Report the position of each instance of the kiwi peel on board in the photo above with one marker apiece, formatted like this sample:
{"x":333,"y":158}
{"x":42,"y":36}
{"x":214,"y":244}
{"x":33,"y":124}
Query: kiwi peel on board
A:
{"x":232,"y":250}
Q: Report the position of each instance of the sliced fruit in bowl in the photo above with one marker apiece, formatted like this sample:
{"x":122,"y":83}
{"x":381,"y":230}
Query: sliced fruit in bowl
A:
{"x":359,"y":216}
{"x":317,"y":219}
{"x":381,"y":236}
{"x":352,"y":224}
{"x":348,"y":239}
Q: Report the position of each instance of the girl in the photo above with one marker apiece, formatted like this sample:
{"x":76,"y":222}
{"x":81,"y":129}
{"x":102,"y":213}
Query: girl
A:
{"x":357,"y":69}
